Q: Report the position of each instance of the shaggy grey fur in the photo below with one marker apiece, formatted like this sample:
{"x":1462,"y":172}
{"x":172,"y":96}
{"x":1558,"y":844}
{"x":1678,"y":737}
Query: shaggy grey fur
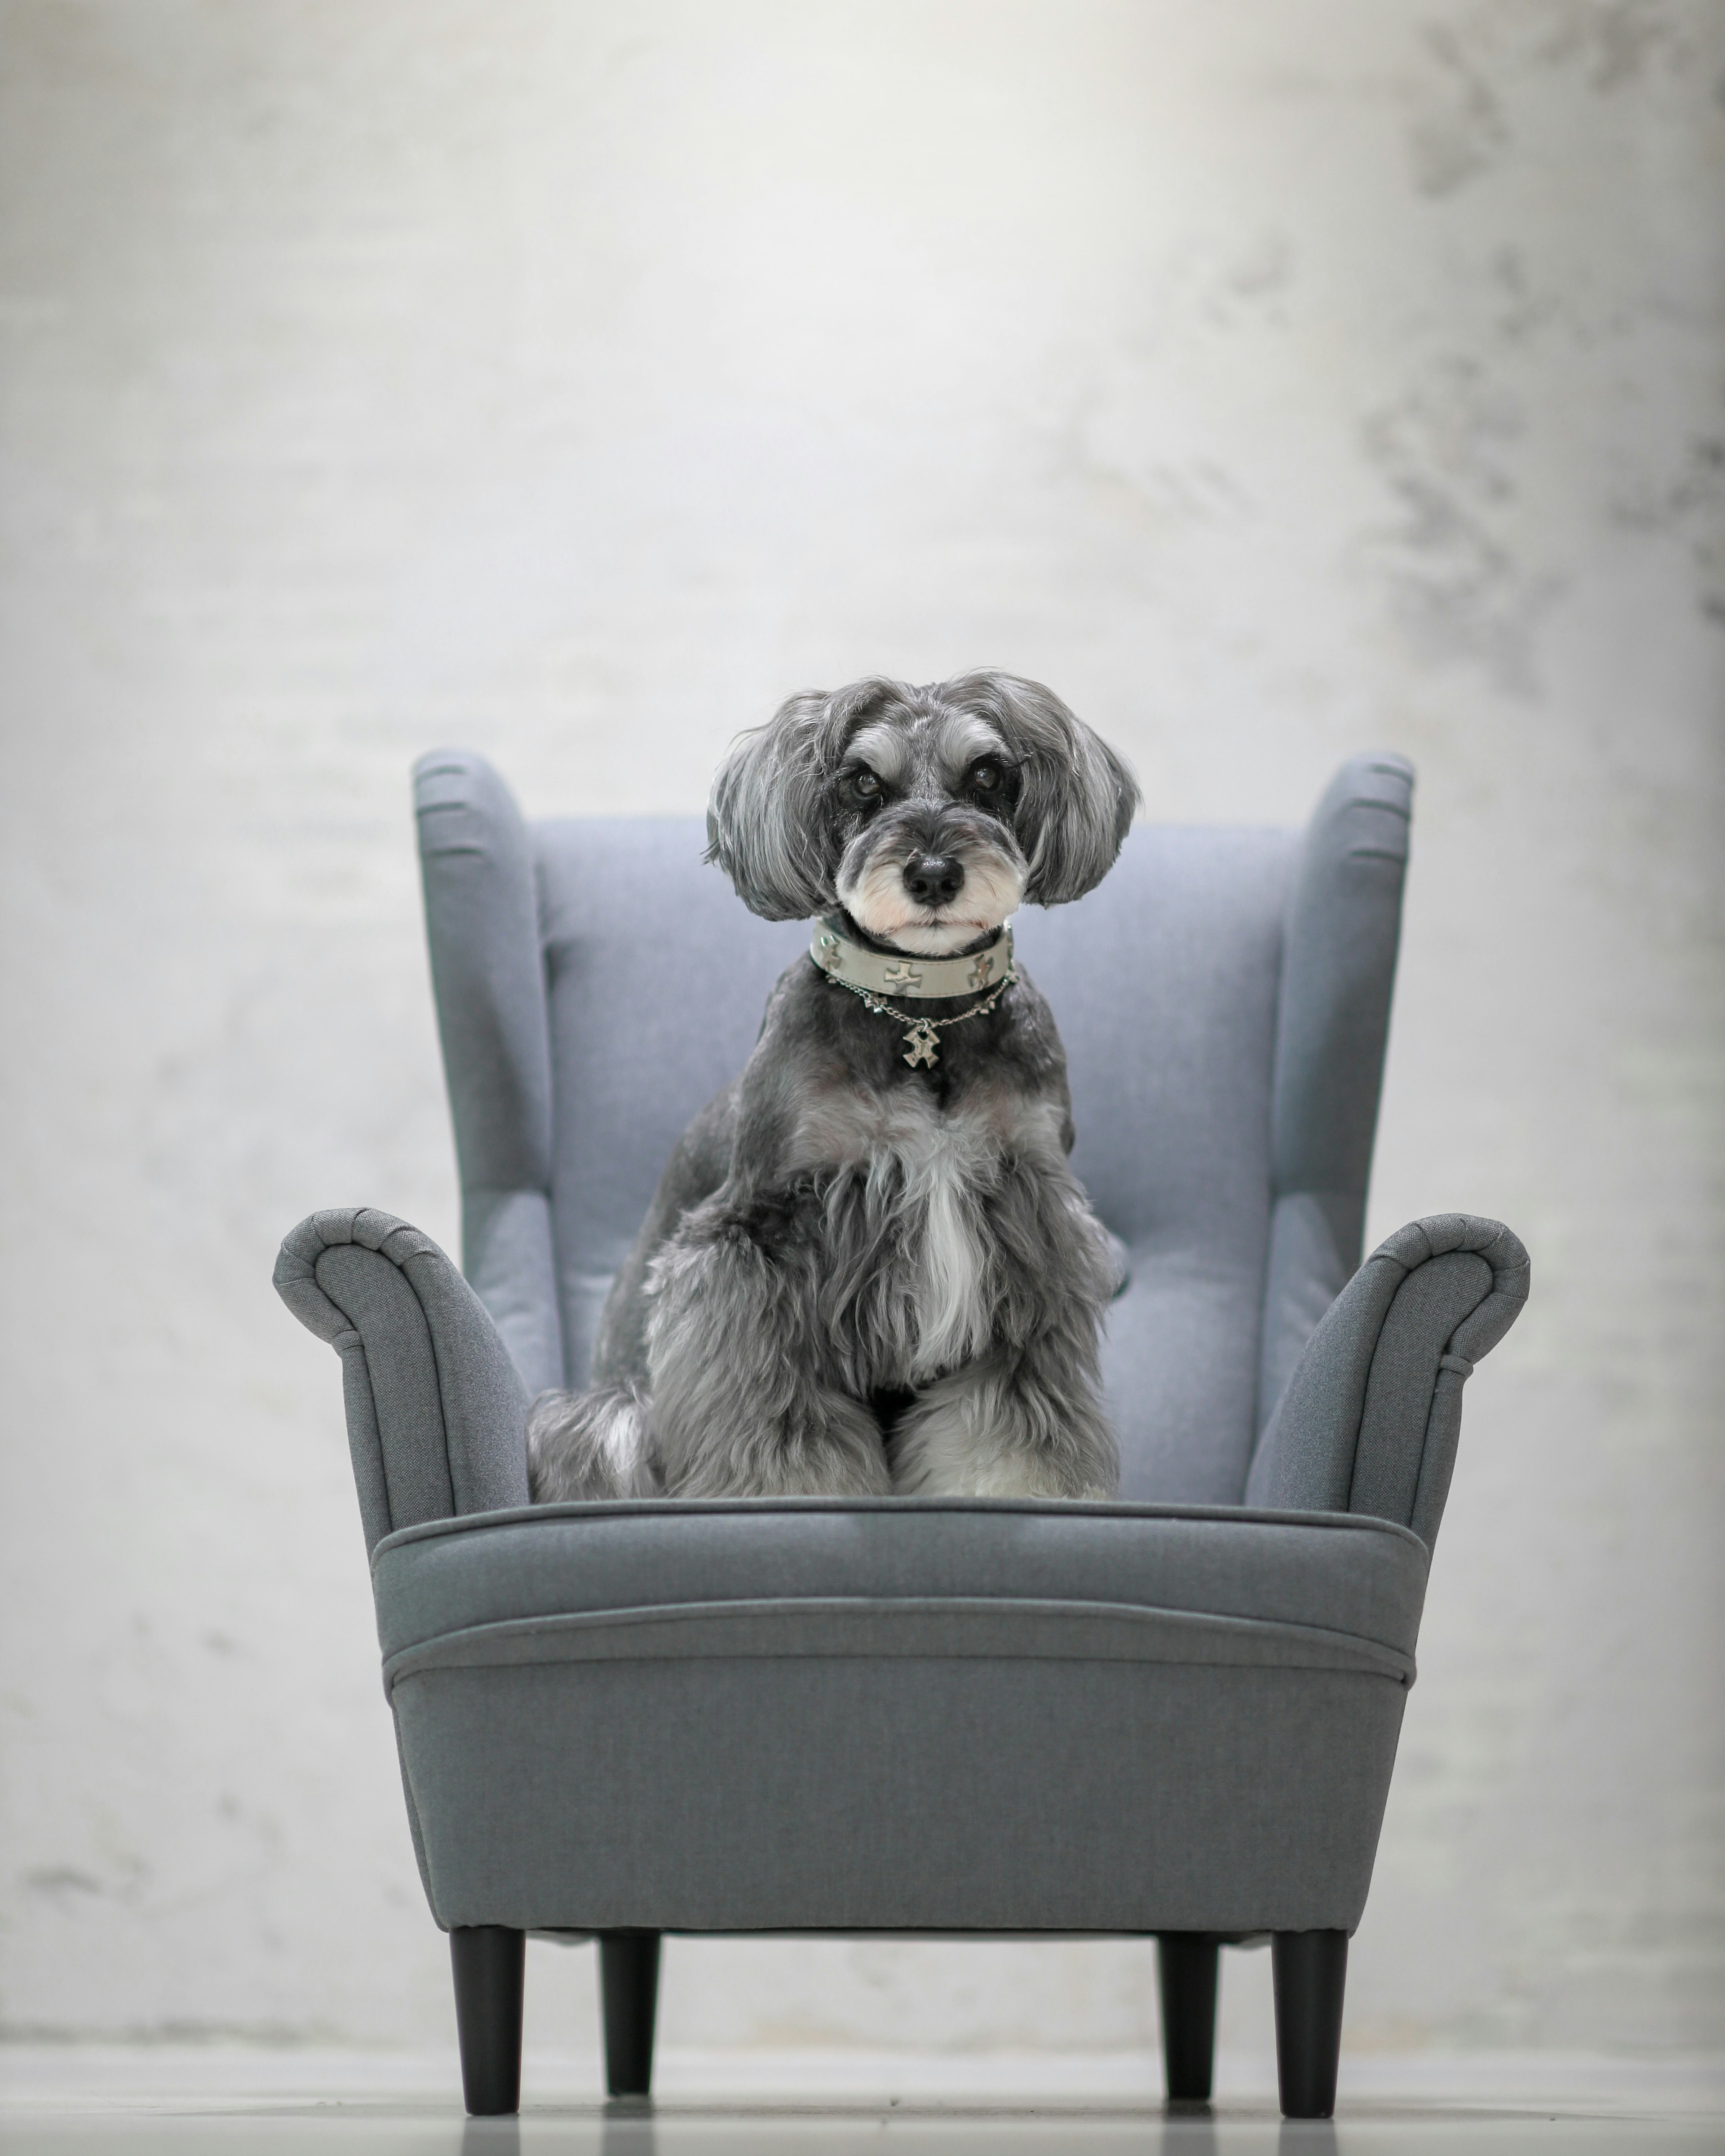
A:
{"x":858,"y":1277}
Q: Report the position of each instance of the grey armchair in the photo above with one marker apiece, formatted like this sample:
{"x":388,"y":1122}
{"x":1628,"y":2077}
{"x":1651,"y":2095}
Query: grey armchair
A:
{"x":1176,"y":1715}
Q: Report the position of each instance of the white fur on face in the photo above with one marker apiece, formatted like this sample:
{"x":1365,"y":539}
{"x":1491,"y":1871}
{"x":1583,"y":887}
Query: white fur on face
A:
{"x":877,"y":901}
{"x":966,"y":738}
{"x":883,"y":748}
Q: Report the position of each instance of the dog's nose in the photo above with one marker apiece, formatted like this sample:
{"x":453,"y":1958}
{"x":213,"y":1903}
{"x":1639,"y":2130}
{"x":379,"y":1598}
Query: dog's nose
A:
{"x":933,"y":879}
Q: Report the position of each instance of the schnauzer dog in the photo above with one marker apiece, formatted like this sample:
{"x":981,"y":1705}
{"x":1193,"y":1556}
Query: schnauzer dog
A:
{"x":868,"y":1269}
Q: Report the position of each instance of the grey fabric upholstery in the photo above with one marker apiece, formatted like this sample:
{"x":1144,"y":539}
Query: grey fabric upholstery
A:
{"x":482,"y":919}
{"x":1178,"y":1713}
{"x":1369,"y":1419}
{"x":1332,"y":1022}
{"x":656,"y":978}
{"x":1359,"y":1580}
{"x":1163,"y":982}
{"x":907,"y":1791}
{"x":436,"y":1414}
{"x":906,"y":1714}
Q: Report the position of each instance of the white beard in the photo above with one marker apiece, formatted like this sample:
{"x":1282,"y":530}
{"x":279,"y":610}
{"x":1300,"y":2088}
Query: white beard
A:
{"x":878,"y":903}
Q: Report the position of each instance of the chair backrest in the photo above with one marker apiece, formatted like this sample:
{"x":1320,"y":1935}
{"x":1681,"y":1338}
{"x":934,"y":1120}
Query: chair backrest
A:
{"x":1224,"y":996}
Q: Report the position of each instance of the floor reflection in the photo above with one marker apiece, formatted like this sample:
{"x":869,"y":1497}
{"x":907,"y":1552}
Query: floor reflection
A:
{"x":634,"y":2129}
{"x":491,"y":2137}
{"x":1188,"y":2129}
{"x":1306,"y":2136}
{"x":628,"y":2130}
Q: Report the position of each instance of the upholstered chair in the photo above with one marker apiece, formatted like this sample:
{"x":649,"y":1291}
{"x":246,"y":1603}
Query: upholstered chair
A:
{"x":1174,"y":1715}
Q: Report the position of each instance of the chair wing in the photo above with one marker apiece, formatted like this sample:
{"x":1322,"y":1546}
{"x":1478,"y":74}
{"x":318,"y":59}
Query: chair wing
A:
{"x":1338,"y":972}
{"x":482,"y":922}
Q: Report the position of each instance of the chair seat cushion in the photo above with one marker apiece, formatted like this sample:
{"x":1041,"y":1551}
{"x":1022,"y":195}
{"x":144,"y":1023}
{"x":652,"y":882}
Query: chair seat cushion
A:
{"x":906,"y":1576}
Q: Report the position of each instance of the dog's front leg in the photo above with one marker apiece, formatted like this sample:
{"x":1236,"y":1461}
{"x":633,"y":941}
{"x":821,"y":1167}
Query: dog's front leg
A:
{"x":1025,"y":1426}
{"x":1024,"y":1419}
{"x":746,"y":1400}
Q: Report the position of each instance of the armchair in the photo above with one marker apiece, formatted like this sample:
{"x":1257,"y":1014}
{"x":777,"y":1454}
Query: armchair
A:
{"x":1176,"y":1715}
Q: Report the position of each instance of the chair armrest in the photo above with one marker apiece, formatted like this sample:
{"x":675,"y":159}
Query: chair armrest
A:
{"x":436,"y":1413}
{"x":1369,"y":1418}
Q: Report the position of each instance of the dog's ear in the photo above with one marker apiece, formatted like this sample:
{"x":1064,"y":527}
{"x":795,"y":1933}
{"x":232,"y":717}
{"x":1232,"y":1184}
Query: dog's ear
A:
{"x":1076,"y":797}
{"x":763,"y":825}
{"x":767,"y":821}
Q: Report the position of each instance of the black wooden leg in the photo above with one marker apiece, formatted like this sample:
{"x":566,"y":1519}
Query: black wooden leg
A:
{"x":1311,"y":1971}
{"x":489,"y":1961}
{"x":1186,"y":1962}
{"x":629,"y":1992}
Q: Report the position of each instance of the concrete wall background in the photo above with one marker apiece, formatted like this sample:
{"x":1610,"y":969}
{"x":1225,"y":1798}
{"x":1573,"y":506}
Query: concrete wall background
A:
{"x":1275,"y":380}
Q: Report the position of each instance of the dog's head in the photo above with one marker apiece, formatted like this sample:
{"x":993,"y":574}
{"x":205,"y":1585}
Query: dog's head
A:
{"x":929,"y":814}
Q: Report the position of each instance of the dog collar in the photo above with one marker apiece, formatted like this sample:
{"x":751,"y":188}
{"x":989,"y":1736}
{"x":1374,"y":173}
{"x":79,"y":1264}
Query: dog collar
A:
{"x":925,"y":980}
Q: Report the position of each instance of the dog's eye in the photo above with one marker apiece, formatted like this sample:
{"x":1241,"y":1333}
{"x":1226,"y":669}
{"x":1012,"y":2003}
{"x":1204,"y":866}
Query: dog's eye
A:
{"x":865,"y":786}
{"x":986,"y":776}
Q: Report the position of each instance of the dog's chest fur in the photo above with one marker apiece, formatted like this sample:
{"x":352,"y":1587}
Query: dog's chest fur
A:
{"x":906,"y":1187}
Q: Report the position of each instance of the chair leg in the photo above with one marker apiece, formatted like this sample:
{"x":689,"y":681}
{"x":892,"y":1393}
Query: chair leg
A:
{"x":1311,"y":1973}
{"x":629,"y":1992}
{"x":489,"y":1961}
{"x":1186,"y":1964}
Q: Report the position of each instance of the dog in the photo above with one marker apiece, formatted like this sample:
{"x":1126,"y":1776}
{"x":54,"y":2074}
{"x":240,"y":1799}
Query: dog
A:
{"x":868,"y":1270}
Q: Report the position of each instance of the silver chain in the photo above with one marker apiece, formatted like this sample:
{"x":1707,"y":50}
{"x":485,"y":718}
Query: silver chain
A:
{"x":923,"y":1038}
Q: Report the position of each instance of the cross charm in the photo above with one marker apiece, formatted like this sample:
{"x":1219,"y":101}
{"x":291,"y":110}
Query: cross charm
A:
{"x":901,"y":976}
{"x":924,"y":1045}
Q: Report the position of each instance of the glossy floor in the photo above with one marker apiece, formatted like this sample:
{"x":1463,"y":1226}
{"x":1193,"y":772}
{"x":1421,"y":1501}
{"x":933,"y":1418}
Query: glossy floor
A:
{"x":72,"y":2103}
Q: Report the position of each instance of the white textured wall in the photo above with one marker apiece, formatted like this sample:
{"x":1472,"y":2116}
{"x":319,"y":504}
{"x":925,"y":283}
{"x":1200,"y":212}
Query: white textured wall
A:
{"x":1275,"y":379}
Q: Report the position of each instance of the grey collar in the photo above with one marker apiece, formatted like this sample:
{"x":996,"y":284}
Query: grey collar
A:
{"x":926,"y":980}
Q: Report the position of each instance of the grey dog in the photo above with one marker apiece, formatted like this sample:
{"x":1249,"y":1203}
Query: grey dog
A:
{"x":868,"y":1269}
